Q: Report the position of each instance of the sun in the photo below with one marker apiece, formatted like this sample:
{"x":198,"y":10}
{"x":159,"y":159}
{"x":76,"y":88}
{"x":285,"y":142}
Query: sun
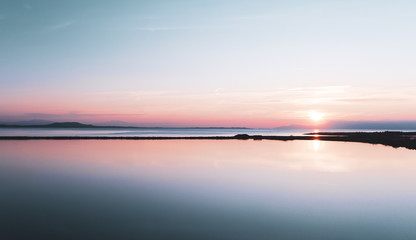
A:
{"x":316,"y":116}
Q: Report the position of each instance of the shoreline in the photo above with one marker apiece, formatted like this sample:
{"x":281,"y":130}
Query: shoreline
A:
{"x":392,"y":139}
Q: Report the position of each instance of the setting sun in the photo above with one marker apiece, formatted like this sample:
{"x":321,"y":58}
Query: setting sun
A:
{"x":316,"y":116}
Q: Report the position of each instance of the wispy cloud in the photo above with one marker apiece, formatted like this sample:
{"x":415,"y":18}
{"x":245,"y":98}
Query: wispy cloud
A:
{"x":268,"y":107}
{"x":371,"y":99}
{"x":251,"y":17}
{"x":315,"y":95}
{"x":178,"y":28}
{"x":155,"y":29}
{"x":60,"y":26}
{"x":71,"y":115}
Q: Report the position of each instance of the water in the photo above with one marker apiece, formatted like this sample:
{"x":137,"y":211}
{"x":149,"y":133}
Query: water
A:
{"x":164,"y":132}
{"x":130,"y":132}
{"x":205,"y":189}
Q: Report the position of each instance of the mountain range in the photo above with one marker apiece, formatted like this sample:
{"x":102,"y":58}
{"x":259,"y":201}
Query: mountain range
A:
{"x":375,"y":125}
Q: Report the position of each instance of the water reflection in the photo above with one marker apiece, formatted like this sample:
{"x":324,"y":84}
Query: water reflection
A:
{"x":208,"y":189}
{"x":316,"y":143}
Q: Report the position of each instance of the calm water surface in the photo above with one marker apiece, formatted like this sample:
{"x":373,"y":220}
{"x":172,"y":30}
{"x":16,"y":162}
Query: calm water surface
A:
{"x":128,"y":132}
{"x":171,"y":132}
{"x":205,"y":189}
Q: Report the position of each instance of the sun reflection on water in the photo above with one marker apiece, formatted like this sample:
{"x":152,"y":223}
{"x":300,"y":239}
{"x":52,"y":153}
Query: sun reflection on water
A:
{"x":316,"y":144}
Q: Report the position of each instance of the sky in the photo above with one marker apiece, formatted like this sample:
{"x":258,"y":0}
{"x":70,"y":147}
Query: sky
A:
{"x":208,"y":63}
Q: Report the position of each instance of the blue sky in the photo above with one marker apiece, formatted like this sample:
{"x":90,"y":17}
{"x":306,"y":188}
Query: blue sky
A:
{"x":60,"y":50}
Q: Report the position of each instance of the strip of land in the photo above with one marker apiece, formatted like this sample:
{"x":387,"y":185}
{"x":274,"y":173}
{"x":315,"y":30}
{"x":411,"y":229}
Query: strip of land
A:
{"x":393,"y":139}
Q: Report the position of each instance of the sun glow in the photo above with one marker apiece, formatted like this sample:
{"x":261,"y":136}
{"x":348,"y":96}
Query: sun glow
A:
{"x":316,"y":116}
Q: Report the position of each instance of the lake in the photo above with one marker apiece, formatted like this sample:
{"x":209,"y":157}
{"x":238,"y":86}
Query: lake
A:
{"x":166,"y":132}
{"x":144,"y":132}
{"x":205,"y":189}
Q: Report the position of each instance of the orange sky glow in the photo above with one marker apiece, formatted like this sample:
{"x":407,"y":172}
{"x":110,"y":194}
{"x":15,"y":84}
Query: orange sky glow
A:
{"x":271,"y":108}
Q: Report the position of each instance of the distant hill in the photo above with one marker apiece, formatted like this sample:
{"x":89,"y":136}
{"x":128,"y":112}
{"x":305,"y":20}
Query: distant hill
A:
{"x":69,"y":125}
{"x":116,"y":124}
{"x":291,"y":127}
{"x":49,"y":125}
{"x":376,"y":125}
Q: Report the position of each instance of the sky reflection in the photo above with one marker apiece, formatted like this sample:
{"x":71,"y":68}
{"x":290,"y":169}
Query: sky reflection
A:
{"x":316,"y":184}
